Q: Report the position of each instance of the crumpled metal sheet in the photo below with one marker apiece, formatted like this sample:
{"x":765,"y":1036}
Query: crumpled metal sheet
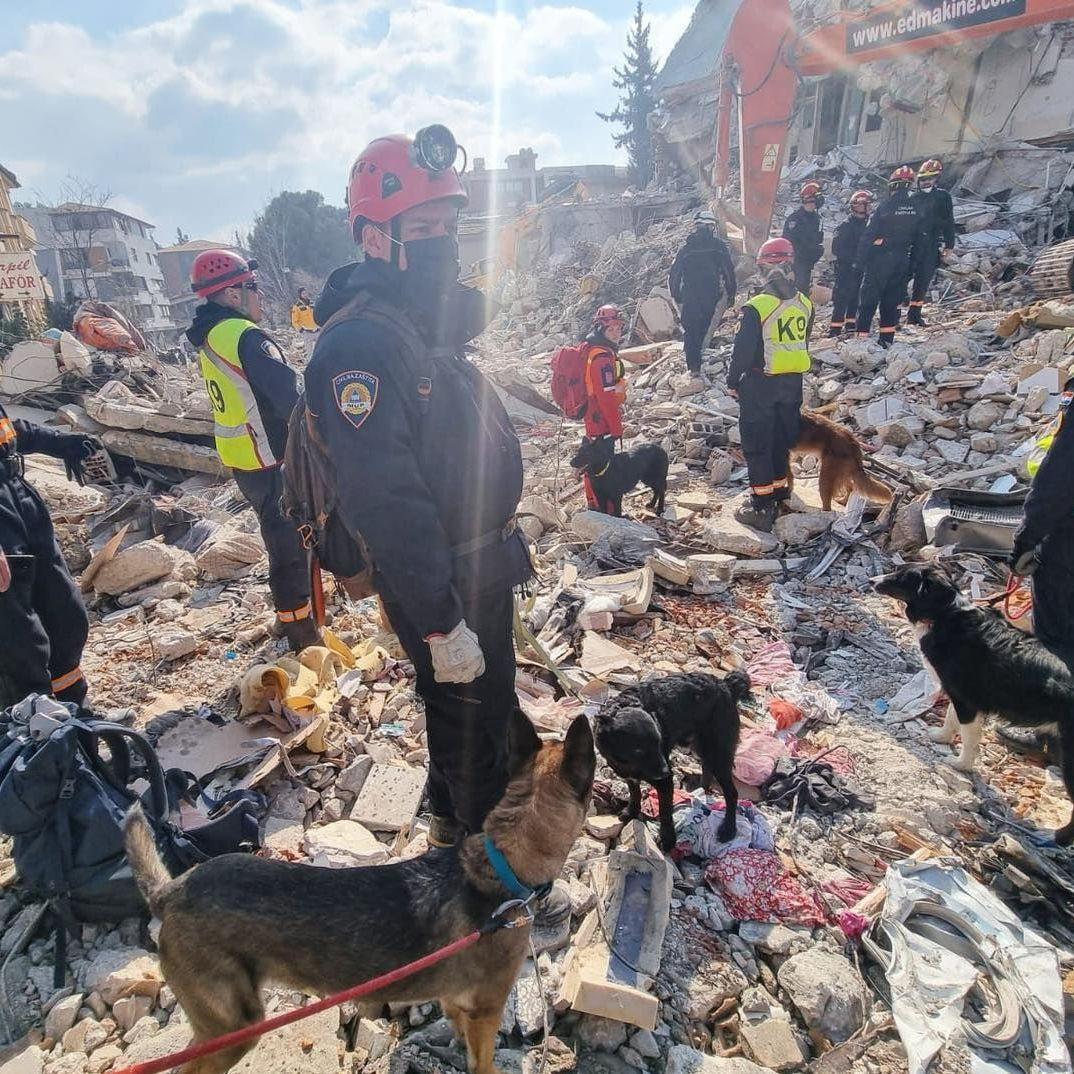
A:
{"x":930,"y":982}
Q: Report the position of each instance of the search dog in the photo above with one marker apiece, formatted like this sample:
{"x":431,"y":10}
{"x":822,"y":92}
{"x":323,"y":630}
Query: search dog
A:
{"x":236,"y":922}
{"x":985,"y":664}
{"x":614,"y":473}
{"x":842,"y":462}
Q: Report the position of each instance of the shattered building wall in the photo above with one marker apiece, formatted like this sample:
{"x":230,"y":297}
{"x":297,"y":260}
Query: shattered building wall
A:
{"x":947,"y":102}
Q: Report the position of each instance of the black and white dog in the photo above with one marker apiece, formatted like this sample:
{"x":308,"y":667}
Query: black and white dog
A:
{"x":985,"y":665}
{"x":613,"y":474}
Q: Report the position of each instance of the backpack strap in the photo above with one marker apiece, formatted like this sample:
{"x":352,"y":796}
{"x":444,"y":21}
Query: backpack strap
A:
{"x":117,"y":738}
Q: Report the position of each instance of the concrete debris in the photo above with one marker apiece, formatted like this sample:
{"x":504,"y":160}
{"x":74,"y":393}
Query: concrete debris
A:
{"x":657,"y":966}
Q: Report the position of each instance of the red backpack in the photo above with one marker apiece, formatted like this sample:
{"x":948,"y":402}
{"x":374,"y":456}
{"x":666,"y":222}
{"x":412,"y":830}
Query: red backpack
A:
{"x":568,"y":379}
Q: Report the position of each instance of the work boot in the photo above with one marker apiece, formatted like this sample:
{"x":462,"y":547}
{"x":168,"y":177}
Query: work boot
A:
{"x":835,"y":331}
{"x":444,"y":831}
{"x":886,"y":341}
{"x":302,"y":634}
{"x":914,"y":317}
{"x":758,"y":516}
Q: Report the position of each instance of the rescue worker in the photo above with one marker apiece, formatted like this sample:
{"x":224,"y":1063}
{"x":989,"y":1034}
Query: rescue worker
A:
{"x":302,"y":312}
{"x":428,"y":470}
{"x":770,"y":354}
{"x":934,"y":206}
{"x":253,"y":391}
{"x":43,"y":622}
{"x":702,"y":283}
{"x":1044,"y":548}
{"x":804,"y":230}
{"x":886,"y":254}
{"x":605,"y":385}
{"x":845,"y":245}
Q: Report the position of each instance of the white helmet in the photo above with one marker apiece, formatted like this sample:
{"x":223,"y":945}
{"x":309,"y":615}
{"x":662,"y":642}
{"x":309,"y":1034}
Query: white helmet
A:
{"x":705,"y":218}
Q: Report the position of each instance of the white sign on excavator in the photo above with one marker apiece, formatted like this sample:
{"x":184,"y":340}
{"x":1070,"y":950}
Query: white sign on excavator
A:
{"x":770,"y":157}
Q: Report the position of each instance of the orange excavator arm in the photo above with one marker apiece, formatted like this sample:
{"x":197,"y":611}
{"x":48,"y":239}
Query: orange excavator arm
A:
{"x":763,"y":57}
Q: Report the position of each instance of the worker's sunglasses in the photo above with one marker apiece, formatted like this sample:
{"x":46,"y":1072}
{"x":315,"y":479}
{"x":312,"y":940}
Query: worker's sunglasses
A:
{"x":249,"y":285}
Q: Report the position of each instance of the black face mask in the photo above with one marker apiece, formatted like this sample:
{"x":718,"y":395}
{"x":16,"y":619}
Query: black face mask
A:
{"x":432,"y":270}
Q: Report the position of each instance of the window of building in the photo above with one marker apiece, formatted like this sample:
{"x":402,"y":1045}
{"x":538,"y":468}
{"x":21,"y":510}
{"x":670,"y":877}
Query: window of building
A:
{"x":134,"y":254}
{"x":873,"y":119}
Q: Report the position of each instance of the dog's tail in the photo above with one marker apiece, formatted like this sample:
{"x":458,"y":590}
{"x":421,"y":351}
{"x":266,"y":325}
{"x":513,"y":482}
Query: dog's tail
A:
{"x":152,"y":876}
{"x":738,"y":682}
{"x":870,"y":487}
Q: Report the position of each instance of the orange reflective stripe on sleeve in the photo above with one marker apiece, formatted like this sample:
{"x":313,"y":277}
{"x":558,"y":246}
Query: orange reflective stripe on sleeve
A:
{"x":779,"y":483}
{"x":64,"y":682}
{"x":762,"y":490}
{"x":917,"y":302}
{"x":7,"y":431}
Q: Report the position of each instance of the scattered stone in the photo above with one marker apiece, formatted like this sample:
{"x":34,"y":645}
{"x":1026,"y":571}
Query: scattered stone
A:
{"x":725,"y":534}
{"x":123,"y":971}
{"x":983,"y":415}
{"x":30,"y":1061}
{"x":799,"y":528}
{"x":685,"y":1060}
{"x":62,"y":1016}
{"x":775,"y":939}
{"x":773,"y":1044}
{"x":174,"y":644}
{"x":129,"y":1009}
{"x":103,"y":1058}
{"x":827,"y":991}
{"x":146,"y":1026}
{"x":603,"y":826}
{"x":342,"y":844}
{"x":644,"y":1043}
{"x":601,"y":1034}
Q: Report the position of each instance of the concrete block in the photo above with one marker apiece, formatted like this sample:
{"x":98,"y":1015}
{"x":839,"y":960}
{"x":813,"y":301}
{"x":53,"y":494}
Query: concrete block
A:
{"x":389,"y":798}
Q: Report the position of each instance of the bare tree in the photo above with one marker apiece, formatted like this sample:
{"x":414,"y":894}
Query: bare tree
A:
{"x":76,"y":227}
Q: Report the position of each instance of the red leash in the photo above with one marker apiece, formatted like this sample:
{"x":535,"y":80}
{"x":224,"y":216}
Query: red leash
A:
{"x":258,"y":1029}
{"x":1014,"y":584}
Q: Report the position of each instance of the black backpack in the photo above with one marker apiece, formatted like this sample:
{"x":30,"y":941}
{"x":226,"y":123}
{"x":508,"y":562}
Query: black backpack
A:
{"x":63,"y":802}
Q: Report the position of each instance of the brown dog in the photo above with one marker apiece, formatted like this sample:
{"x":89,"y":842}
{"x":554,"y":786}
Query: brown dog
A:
{"x":236,"y":922}
{"x":842,"y":467}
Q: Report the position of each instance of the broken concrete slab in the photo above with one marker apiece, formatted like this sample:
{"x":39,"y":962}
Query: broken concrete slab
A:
{"x":601,"y":657}
{"x":725,"y":533}
{"x":632,"y":589}
{"x":122,"y":971}
{"x":389,"y":798}
{"x":342,"y":844}
{"x":307,"y":1047}
{"x":827,"y":991}
{"x":685,"y":1060}
{"x":799,"y":528}
{"x":634,"y":888}
{"x":589,"y":525}
{"x":668,"y":567}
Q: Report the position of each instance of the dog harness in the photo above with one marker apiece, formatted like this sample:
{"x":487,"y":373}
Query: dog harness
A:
{"x":506,"y":875}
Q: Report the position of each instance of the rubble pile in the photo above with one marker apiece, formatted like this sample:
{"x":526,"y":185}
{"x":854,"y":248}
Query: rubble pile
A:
{"x":772,"y":952}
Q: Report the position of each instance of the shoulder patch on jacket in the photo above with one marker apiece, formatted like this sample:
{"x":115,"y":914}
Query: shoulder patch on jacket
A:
{"x":356,"y":395}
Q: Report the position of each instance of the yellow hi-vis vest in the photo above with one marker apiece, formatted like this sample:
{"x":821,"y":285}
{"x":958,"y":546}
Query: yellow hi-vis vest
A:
{"x":1043,"y":444}
{"x":784,"y":324}
{"x":241,"y":440}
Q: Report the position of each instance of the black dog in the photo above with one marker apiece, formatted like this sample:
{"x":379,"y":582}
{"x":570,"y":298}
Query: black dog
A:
{"x":985,"y":665}
{"x":613,"y":474}
{"x":637,"y":731}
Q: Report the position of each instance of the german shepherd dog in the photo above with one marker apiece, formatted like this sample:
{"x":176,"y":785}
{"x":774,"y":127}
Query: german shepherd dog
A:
{"x":637,"y":730}
{"x":985,"y":665}
{"x":842,"y":468}
{"x":613,"y":474}
{"x":236,"y":922}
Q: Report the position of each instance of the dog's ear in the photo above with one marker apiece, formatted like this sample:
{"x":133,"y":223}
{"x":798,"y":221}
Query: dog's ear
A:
{"x":579,"y":758}
{"x":523,"y":742}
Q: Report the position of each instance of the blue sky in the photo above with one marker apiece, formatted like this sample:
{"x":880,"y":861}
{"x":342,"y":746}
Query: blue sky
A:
{"x":195,"y":112}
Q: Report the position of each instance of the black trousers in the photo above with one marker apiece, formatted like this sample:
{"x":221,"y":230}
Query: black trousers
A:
{"x":883,"y":284}
{"x":769,"y":416}
{"x":1053,"y":593}
{"x":43,"y":622}
{"x":803,"y":276}
{"x":924,"y":271}
{"x":697,"y":311}
{"x":289,"y":571}
{"x":845,"y":295}
{"x":466,"y":723}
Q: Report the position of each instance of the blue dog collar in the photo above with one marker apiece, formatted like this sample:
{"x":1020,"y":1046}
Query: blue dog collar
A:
{"x":506,"y":875}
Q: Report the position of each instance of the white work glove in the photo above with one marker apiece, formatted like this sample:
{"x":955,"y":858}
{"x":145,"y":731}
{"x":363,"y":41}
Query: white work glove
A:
{"x":5,"y":573}
{"x":457,"y":656}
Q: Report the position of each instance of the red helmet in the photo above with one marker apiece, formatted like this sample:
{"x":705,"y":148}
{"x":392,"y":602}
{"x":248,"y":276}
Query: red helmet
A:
{"x":904,"y":174}
{"x":775,"y":252}
{"x":861,"y":197}
{"x":930,"y":169}
{"x":608,"y":315}
{"x":396,"y":173}
{"x":809,"y":192}
{"x":214,"y":270}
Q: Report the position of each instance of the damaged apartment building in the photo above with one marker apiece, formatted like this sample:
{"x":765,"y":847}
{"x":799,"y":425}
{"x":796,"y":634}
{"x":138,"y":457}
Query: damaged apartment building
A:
{"x":873,"y":92}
